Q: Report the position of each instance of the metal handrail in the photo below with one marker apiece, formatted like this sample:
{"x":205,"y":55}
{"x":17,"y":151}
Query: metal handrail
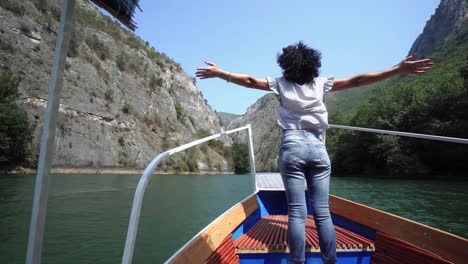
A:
{"x":140,"y":190}
{"x":403,"y":134}
{"x":47,"y":147}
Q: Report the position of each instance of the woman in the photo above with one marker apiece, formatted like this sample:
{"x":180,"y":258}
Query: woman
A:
{"x":303,"y":117}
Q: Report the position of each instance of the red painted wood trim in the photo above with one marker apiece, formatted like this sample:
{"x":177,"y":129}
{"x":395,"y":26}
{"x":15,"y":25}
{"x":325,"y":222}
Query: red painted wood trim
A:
{"x":392,"y":250}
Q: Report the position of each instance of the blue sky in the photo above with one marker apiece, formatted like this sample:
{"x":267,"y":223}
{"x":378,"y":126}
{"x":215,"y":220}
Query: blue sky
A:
{"x":245,"y":36}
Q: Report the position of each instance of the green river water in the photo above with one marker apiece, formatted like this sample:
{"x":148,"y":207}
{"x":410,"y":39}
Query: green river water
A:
{"x":88,"y":215}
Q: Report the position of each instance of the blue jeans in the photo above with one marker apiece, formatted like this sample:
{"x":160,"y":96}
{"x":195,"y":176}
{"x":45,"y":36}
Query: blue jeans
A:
{"x":303,"y":157}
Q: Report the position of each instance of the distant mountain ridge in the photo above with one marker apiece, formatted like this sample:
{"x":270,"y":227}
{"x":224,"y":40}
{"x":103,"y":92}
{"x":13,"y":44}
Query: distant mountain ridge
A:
{"x":227,"y":118}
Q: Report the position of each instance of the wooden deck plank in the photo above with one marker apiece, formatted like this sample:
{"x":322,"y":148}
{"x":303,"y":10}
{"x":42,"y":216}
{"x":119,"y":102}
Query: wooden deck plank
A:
{"x":224,"y":254}
{"x":270,"y":232}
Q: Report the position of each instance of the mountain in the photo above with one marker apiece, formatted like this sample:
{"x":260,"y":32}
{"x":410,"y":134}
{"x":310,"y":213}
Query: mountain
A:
{"x":345,"y":107}
{"x":449,"y":17}
{"x":123,"y":102}
{"x":435,"y":103}
{"x":226,"y":118}
{"x":266,"y":132}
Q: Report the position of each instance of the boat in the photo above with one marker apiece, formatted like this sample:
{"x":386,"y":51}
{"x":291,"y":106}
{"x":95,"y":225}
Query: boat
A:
{"x":255,"y":229}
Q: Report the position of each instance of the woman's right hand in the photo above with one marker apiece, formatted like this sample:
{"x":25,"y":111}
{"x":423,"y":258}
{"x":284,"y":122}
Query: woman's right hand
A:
{"x":240,"y":79}
{"x":208,"y":72}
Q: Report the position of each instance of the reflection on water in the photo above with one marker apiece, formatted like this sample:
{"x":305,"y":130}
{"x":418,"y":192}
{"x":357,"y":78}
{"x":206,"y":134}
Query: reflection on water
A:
{"x":85,"y":191}
{"x":88,"y":215}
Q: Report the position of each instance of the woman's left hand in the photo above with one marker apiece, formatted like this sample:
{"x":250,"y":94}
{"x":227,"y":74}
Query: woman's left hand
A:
{"x":208,"y":72}
{"x":420,"y":66}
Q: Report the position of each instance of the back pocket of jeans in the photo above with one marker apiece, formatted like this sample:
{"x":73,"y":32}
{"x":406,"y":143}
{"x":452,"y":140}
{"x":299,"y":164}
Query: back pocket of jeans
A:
{"x":324,"y":158}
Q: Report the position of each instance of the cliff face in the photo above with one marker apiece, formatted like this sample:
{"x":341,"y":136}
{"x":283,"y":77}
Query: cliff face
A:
{"x":448,"y":17}
{"x":122,"y":101}
{"x":266,"y":132}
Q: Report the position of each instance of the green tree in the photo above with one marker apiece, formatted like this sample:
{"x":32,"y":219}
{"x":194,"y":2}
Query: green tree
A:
{"x":179,"y":110}
{"x":181,"y":166}
{"x":192,"y":159}
{"x":217,"y":145}
{"x":201,"y":133}
{"x":15,"y":130}
{"x":155,"y":82}
{"x":99,"y":47}
{"x":434,"y":103}
{"x":240,"y":158}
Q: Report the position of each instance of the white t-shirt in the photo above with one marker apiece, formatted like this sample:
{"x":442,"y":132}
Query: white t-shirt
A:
{"x":302,"y":106}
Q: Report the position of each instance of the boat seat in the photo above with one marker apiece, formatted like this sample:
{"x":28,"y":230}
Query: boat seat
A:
{"x":269,"y":235}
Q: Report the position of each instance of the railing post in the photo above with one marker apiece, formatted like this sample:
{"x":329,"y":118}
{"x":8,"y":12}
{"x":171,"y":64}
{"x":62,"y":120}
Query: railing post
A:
{"x":47,"y":147}
{"x":252,"y":156}
{"x":143,"y":182}
{"x":136,"y":208}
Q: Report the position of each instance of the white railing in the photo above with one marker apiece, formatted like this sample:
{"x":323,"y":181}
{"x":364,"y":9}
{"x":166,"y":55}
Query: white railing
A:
{"x":403,"y":134}
{"x":47,"y":147}
{"x":140,"y":190}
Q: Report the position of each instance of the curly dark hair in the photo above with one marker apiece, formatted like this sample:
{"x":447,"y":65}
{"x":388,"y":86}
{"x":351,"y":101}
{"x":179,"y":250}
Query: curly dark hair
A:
{"x":300,"y":63}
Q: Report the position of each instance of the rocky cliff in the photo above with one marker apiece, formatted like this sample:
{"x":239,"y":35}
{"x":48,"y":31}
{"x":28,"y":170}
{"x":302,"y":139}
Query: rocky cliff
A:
{"x":448,"y":17}
{"x":122,"y":102}
{"x":266,"y":132}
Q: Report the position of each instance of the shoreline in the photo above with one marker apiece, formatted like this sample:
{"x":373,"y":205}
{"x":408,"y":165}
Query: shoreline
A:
{"x":113,"y":171}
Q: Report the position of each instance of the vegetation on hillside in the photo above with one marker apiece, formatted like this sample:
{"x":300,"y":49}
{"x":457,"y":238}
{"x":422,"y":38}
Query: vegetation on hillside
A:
{"x":240,"y":157}
{"x":435,"y":103}
{"x":113,"y":29}
{"x":13,"y":6}
{"x":15,"y":130}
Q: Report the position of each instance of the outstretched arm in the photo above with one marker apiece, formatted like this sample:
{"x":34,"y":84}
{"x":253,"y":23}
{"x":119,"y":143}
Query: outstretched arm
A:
{"x":407,"y":66}
{"x":213,"y":71}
